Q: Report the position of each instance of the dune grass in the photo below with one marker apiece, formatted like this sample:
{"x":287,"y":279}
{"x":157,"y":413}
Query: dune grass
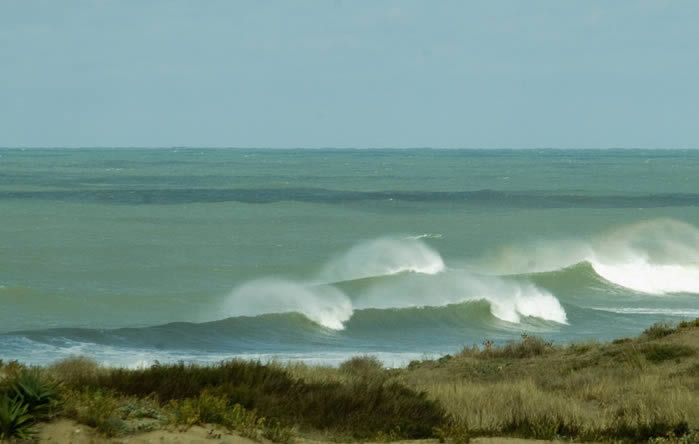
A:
{"x":629,"y":390}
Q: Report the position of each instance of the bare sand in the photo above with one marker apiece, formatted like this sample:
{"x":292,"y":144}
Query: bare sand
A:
{"x":65,"y":431}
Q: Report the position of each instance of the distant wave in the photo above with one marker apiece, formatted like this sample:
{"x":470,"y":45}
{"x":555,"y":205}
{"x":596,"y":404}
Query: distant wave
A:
{"x":495,"y":198}
{"x":426,"y":236}
{"x":684,"y":312}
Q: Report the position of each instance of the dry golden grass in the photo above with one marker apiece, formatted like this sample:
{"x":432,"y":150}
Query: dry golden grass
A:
{"x":623,"y":390}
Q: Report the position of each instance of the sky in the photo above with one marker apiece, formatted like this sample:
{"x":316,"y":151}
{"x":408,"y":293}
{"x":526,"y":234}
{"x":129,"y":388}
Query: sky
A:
{"x":350,"y":73}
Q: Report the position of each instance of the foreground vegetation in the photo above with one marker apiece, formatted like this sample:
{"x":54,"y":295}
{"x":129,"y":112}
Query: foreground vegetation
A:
{"x":630,"y":390}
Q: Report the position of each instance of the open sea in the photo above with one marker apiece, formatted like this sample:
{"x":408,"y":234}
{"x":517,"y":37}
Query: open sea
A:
{"x":129,"y":256}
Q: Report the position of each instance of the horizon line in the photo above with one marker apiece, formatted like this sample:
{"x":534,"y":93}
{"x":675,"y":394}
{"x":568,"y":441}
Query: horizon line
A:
{"x":163,"y":147}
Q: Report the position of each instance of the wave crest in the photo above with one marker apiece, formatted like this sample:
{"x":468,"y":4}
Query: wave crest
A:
{"x":654,"y":257}
{"x":324,"y":305}
{"x":381,"y":257}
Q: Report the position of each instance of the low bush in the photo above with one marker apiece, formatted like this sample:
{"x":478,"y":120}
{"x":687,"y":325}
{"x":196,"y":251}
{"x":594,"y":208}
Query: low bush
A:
{"x":527,"y":347}
{"x":689,"y":324}
{"x":76,"y":371}
{"x":689,"y":438}
{"x":361,"y":407}
{"x":95,"y":408}
{"x":362,"y":366}
{"x":664,"y":352}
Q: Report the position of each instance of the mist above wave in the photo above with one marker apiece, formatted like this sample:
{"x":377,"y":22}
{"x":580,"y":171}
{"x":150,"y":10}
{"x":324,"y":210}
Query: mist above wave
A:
{"x":382,"y":257}
{"x":654,"y":257}
{"x":324,"y":305}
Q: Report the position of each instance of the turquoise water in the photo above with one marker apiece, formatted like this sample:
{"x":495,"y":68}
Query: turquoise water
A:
{"x":132,"y":255}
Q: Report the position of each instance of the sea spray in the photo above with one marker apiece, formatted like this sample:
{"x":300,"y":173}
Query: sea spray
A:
{"x":655,"y":257}
{"x":380,"y":257}
{"x":509,"y":299}
{"x":325,"y":305}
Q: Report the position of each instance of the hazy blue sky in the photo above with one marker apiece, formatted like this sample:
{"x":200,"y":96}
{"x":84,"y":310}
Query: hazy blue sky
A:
{"x":510,"y":73}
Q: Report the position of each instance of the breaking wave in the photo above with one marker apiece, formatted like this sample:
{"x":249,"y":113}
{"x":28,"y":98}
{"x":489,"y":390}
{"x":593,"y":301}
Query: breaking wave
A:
{"x":653,"y":257}
{"x":390,"y":274}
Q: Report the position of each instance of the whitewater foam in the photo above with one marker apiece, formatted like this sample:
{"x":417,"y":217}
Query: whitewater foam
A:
{"x":651,"y":278}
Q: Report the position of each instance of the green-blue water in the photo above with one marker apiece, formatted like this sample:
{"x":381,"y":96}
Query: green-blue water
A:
{"x":131,"y":255}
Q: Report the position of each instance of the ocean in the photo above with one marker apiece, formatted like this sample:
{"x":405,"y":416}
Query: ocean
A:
{"x":129,"y":256}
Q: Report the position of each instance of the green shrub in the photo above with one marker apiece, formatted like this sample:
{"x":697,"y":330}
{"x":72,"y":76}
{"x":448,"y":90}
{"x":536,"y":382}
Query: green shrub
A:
{"x":245,"y":421}
{"x":95,"y":408}
{"x":37,"y":391}
{"x":276,"y":432}
{"x":547,"y":427}
{"x":15,"y":422}
{"x":689,"y":438}
{"x":76,"y":372}
{"x":209,"y":408}
{"x":621,"y":341}
{"x":642,"y":432}
{"x":664,"y":352}
{"x":206,"y":408}
{"x":366,"y":367}
{"x":689,"y":324}
{"x":360,"y":409}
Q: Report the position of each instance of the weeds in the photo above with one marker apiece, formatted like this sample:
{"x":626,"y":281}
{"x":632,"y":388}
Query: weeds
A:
{"x":362,"y":366}
{"x":665,"y":352}
{"x":95,"y":408}
{"x":658,"y":330}
{"x":276,"y":432}
{"x":359,"y":408}
{"x":529,"y":346}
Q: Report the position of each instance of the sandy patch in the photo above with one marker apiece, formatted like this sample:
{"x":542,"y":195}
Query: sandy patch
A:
{"x":66,"y":431}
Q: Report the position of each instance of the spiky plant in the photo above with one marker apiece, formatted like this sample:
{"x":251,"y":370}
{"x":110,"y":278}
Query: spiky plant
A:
{"x":15,"y":422}
{"x":35,"y":390}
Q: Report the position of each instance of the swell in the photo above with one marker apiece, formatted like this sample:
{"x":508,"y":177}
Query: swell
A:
{"x":485,"y":197}
{"x":395,"y":329}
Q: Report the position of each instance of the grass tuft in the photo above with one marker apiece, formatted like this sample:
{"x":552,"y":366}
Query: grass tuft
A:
{"x":659,"y":330}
